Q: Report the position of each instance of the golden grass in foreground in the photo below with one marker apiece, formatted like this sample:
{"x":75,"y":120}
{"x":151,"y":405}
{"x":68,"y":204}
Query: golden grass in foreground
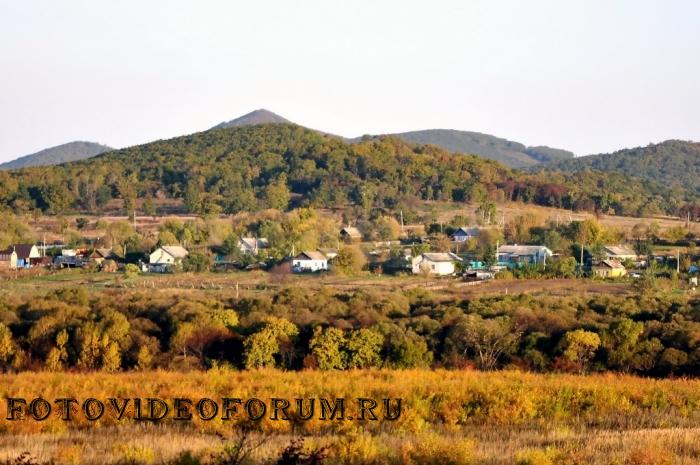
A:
{"x":469,"y":417}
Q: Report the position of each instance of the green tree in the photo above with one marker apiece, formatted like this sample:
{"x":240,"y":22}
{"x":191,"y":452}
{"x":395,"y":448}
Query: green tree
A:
{"x":363,"y":347}
{"x":196,"y":262}
{"x":149,"y":208}
{"x":620,"y":341}
{"x":262,"y":346}
{"x":350,"y":260}
{"x":119,"y":233}
{"x":111,"y":356}
{"x":131,"y":271}
{"x":8,"y":347}
{"x":580,"y":347}
{"x":404,"y":348}
{"x":144,"y":358}
{"x":277,"y":194}
{"x":488,"y":339}
{"x":58,"y":355}
{"x":327,"y":347}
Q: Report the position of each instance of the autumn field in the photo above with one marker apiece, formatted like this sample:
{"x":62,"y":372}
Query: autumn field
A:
{"x":458,"y":416}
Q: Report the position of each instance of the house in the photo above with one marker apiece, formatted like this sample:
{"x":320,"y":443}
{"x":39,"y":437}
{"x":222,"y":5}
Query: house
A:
{"x":252,"y":245}
{"x":350,"y":233}
{"x":68,"y":261}
{"x":439,"y":264}
{"x":165,"y":257}
{"x":100,"y":255}
{"x":516,"y":255}
{"x":8,"y":259}
{"x":464,"y":233}
{"x":23,"y":255}
{"x":309,"y":261}
{"x":609,"y":269}
{"x":619,"y":253}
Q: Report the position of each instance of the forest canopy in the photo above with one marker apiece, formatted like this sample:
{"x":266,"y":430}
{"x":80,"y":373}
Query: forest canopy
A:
{"x":284,"y":166}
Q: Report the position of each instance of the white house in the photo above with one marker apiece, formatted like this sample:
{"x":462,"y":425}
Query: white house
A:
{"x":465,"y":233}
{"x":20,"y":255}
{"x":309,"y":261}
{"x":439,"y":264}
{"x":167,"y":255}
{"x":253,"y":245}
{"x":523,"y":254}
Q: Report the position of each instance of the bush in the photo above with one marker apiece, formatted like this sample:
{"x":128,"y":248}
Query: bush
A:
{"x":196,"y":262}
{"x":131,"y":271}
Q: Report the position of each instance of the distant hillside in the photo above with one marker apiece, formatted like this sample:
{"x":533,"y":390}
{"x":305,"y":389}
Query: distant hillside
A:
{"x":673,"y":163}
{"x":284,"y":166}
{"x":261,"y":116}
{"x":513,"y":154}
{"x":72,"y":151}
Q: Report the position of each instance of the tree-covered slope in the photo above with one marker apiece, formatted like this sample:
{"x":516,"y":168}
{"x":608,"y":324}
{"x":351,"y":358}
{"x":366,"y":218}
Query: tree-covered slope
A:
{"x":674,"y":163}
{"x":283,"y":165}
{"x":513,"y":154}
{"x":71,"y":151}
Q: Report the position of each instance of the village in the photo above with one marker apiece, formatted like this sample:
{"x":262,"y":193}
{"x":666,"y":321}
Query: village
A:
{"x":475,"y":253}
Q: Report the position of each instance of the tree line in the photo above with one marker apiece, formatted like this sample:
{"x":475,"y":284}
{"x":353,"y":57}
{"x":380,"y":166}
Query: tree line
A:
{"x":650,"y":333}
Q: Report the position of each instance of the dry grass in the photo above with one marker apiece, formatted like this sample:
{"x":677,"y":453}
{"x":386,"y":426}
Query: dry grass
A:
{"x":455,"y":417}
{"x":510,"y":210}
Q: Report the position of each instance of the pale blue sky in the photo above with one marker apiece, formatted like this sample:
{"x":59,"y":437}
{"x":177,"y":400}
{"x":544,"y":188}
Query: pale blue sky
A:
{"x":589,"y":76}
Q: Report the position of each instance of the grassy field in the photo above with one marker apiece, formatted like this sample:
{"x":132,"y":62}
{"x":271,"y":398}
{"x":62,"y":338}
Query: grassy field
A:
{"x":245,"y":283}
{"x":458,"y":417}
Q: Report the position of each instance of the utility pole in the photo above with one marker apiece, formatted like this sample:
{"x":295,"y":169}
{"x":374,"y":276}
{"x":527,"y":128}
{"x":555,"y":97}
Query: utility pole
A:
{"x":678,"y":260}
{"x":402,"y":222}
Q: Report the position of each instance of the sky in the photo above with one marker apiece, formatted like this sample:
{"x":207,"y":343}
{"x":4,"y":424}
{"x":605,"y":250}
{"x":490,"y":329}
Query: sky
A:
{"x":589,"y":76}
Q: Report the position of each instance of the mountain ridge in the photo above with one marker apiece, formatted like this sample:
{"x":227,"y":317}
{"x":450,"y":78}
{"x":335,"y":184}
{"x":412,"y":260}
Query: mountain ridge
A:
{"x":511,"y":153}
{"x":672,"y":162}
{"x":64,"y":153}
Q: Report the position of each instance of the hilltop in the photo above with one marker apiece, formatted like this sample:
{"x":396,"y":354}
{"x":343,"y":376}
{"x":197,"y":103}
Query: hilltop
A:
{"x":513,"y":154}
{"x":72,"y":151}
{"x":260,"y":116}
{"x":673,"y":162}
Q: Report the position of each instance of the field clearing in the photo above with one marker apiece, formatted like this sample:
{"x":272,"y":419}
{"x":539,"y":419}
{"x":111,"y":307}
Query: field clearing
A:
{"x":260,"y":282}
{"x":510,"y":210}
{"x":47,"y":227}
{"x":504,"y":418}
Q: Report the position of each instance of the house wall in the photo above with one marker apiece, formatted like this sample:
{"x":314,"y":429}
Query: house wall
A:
{"x":159,"y":256}
{"x":309,"y":265}
{"x":433,"y":268}
{"x":9,"y":264}
{"x":34,"y":253}
{"x":609,"y":272}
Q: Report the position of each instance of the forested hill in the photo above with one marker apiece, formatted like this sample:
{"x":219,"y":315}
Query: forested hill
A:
{"x":674,"y":163}
{"x":71,"y":151}
{"x":282,"y":166}
{"x":513,"y":154}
